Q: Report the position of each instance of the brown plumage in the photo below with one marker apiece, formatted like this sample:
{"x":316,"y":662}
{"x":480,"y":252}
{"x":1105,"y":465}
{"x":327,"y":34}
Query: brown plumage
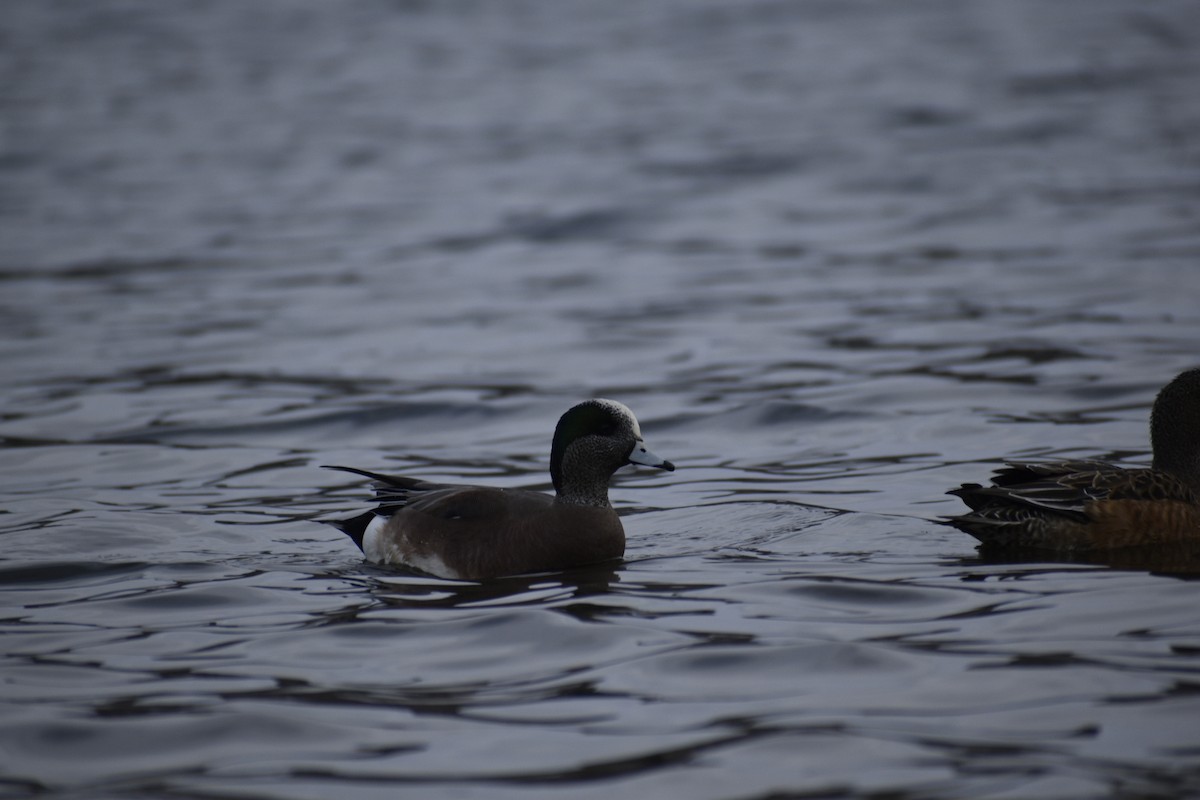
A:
{"x":1087,"y":506}
{"x":478,"y":532}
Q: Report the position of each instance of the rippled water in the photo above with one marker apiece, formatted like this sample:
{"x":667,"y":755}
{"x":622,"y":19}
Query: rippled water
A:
{"x":838,"y":257}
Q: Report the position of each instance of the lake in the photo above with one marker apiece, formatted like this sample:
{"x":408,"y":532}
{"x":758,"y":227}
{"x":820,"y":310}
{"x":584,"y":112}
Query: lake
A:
{"x":838,"y":257}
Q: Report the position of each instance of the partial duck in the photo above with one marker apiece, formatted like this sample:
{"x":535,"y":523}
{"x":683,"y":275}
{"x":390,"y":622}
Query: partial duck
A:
{"x":1092,"y":506}
{"x":478,"y":532}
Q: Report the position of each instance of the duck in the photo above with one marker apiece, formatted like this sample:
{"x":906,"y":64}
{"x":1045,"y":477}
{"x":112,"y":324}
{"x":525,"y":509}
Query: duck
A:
{"x":466,"y":532}
{"x":1080,"y":507}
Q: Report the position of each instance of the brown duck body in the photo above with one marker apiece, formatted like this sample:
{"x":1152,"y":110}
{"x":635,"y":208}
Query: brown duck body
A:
{"x":477,"y":532}
{"x":1088,"y":506}
{"x":1079,"y":506}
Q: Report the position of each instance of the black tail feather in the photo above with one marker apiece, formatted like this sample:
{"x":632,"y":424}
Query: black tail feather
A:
{"x":392,"y":492}
{"x":354,"y":527}
{"x":375,"y":476}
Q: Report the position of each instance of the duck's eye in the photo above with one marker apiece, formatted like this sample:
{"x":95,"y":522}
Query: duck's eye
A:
{"x":607,"y":429}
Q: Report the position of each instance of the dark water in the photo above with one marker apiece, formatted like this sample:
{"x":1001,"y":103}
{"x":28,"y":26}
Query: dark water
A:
{"x":839,"y":257}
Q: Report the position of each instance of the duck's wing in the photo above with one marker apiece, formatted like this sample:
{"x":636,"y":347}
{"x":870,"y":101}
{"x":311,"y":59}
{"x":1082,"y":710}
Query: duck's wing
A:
{"x":468,"y":508}
{"x":1070,"y":487}
{"x":1064,"y":487}
{"x":1015,"y":473}
{"x":486,"y":504}
{"x":394,"y":492}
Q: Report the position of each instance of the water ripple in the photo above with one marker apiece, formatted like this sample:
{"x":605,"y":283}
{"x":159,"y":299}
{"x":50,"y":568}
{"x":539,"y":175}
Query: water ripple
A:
{"x":838,"y":258}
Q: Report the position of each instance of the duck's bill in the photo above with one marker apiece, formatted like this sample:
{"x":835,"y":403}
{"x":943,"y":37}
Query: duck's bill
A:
{"x":641,"y":455}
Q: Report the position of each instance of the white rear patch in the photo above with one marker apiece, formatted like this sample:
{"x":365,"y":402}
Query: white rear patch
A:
{"x":375,"y":545}
{"x":381,"y":548}
{"x":434,"y":566}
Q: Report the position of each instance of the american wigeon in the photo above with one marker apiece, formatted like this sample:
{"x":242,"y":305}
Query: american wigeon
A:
{"x":1082,"y":506}
{"x":477,"y":532}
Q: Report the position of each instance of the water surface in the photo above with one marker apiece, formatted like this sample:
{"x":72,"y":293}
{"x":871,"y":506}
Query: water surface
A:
{"x":838,"y":257}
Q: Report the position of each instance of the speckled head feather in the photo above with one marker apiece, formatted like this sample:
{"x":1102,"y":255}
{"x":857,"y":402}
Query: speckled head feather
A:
{"x":607,"y":429}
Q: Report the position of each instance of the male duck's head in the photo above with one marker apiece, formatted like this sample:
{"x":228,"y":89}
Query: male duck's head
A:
{"x":592,"y":441}
{"x":1175,"y":428}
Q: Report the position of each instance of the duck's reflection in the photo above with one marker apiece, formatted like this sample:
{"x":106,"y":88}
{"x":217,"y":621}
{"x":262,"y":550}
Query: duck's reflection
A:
{"x":399,"y":587}
{"x":1174,"y":560}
